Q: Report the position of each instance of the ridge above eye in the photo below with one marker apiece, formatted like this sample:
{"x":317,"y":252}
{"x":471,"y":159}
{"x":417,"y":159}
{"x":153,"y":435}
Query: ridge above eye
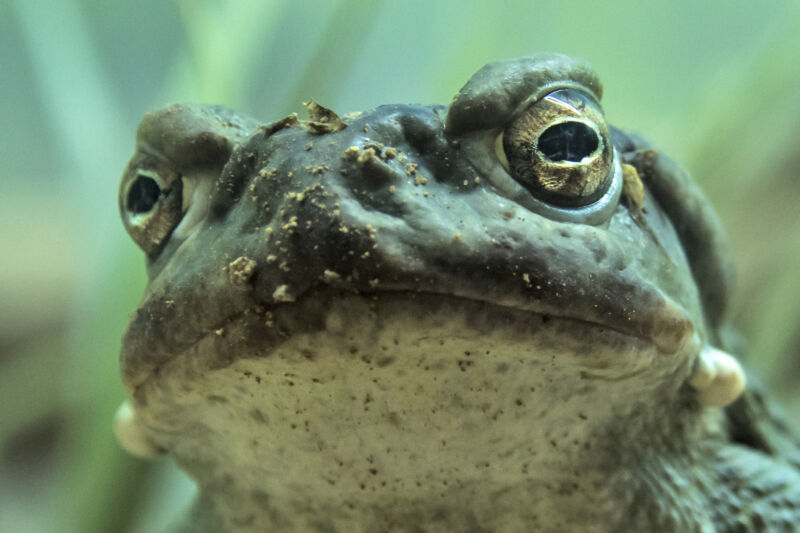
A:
{"x":492,"y":95}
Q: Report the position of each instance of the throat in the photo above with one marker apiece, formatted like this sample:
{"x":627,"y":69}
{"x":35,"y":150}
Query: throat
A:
{"x":398,"y":422}
{"x":553,"y":490}
{"x":532,"y":505}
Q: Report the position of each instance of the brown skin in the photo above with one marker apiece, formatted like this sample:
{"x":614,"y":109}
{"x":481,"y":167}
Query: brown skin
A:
{"x":371,"y":323}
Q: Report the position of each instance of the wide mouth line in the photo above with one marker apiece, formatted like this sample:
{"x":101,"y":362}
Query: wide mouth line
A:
{"x":271,"y":306}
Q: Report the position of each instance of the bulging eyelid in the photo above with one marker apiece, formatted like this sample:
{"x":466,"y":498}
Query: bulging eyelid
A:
{"x":501,"y":90}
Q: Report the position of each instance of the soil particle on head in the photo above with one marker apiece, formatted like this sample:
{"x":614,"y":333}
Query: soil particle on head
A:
{"x":323,"y":120}
{"x":283,"y":294}
{"x":241,"y":271}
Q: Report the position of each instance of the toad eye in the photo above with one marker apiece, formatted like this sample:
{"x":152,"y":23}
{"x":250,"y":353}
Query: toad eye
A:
{"x":143,"y":194}
{"x":559,"y":149}
{"x":151,"y":205}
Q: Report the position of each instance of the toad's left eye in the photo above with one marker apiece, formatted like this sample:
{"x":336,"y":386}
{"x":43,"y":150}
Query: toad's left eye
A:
{"x":559,"y":149}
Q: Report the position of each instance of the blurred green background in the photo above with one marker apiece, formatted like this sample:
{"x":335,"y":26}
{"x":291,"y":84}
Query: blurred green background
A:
{"x":716,"y":84}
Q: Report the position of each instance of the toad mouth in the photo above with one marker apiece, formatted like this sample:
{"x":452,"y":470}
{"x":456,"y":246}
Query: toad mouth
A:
{"x":667,"y":328}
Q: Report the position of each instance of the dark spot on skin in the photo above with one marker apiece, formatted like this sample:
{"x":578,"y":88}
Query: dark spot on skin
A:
{"x":384,"y":361}
{"x":261,"y":498}
{"x":598,"y":249}
{"x":244,"y":521}
{"x":393,"y":418}
{"x":259,"y":416}
{"x":216,"y":399}
{"x":501,"y":368}
{"x":545,"y":319}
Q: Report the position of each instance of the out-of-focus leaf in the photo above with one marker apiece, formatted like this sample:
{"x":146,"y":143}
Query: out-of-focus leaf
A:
{"x":744,"y":150}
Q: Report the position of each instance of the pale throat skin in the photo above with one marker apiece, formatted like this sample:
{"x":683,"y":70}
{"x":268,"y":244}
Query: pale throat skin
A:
{"x":430,"y":318}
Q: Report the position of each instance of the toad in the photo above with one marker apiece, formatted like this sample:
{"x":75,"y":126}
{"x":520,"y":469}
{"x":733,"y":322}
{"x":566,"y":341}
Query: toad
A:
{"x":501,"y":315}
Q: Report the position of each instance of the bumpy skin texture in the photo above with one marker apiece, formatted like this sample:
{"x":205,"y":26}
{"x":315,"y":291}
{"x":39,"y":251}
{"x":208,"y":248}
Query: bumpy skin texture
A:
{"x":369,"y":325}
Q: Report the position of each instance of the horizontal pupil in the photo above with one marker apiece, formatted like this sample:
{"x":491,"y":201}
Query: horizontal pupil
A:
{"x":143,"y":195}
{"x":568,"y":141}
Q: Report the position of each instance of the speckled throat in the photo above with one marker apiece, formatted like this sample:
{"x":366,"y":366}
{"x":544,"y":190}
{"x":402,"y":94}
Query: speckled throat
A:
{"x":404,"y":412}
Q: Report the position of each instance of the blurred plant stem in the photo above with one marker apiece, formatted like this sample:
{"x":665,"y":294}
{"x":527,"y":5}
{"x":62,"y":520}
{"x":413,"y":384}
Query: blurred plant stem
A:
{"x":744,"y":152}
{"x":224,"y":39}
{"x":95,"y":480}
{"x":319,"y":70}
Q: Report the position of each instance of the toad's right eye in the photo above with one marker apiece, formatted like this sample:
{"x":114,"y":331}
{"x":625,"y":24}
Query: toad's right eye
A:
{"x":143,"y":194}
{"x":151,"y":204}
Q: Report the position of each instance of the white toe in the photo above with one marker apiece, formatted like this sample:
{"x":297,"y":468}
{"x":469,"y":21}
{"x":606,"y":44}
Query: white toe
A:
{"x":130,"y":434}
{"x":718,"y":378}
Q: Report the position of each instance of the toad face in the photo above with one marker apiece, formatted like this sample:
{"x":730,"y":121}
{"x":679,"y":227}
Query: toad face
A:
{"x":421,"y":314}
